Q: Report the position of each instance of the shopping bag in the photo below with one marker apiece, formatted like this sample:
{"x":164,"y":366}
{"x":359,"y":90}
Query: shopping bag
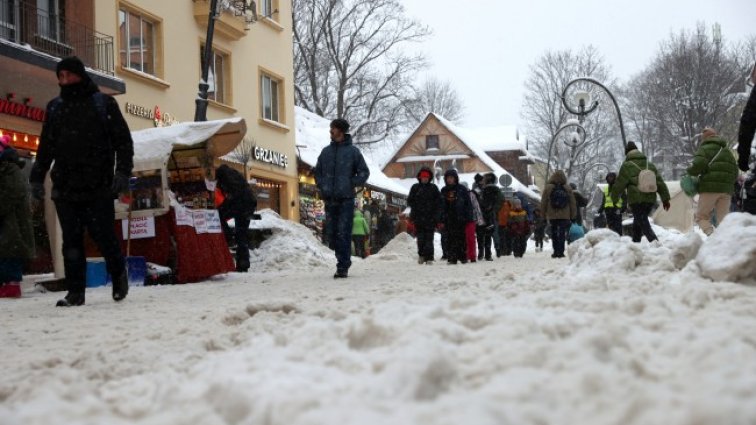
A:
{"x":689,"y":185}
{"x":576,"y":232}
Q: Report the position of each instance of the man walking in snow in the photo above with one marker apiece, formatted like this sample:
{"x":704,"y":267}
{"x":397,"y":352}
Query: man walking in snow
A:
{"x":612,"y":211}
{"x":340,"y":169}
{"x":715,"y":167}
{"x":425,"y":211}
{"x":86,"y":136}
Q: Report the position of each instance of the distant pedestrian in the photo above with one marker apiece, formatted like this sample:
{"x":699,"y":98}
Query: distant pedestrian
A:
{"x":539,"y":229}
{"x":425,"y":212}
{"x":505,"y":242}
{"x":558,"y":206}
{"x":642,"y":181}
{"x":518,"y":228}
{"x":611,"y":210}
{"x":580,"y":203}
{"x":717,"y":172}
{"x":360,"y":228}
{"x":491,"y":201}
{"x":339,"y":171}
{"x":238,"y":203}
{"x":456,"y":214}
{"x":88,"y":144}
{"x":16,"y":234}
{"x":472,"y":243}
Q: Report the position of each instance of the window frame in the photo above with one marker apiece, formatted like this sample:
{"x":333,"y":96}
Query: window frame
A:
{"x":124,"y":36}
{"x":432,"y":137}
{"x":279,"y":117}
{"x":225,"y":56}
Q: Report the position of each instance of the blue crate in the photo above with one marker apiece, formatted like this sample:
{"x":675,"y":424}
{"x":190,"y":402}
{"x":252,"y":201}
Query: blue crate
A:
{"x":97,"y":273}
{"x":137,"y":271}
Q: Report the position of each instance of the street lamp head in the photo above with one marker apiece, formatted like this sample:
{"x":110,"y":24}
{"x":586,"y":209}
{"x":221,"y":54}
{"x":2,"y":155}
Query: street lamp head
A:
{"x":582,"y":98}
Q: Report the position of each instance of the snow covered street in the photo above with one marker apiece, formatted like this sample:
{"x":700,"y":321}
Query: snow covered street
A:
{"x":614,"y":335}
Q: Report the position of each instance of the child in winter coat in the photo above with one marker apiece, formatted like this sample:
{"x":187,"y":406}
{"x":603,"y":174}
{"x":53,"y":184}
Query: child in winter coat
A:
{"x":503,"y":220}
{"x":457,"y":212}
{"x":518,"y":228}
{"x":16,"y":234}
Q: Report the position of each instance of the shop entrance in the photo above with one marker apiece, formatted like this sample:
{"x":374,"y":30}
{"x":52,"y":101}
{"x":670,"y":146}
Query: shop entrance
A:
{"x":268,"y":194}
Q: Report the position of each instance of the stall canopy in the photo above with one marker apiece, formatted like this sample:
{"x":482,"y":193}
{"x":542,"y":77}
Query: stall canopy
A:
{"x":153,"y":146}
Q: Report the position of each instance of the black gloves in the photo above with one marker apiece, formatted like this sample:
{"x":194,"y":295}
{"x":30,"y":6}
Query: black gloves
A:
{"x":120,"y":183}
{"x":743,"y":162}
{"x":38,"y":191}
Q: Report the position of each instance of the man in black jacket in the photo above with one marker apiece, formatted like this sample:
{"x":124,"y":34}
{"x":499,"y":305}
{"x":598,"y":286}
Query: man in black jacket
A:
{"x":425,"y":211}
{"x":747,"y":127}
{"x":87,"y":137}
{"x":340,"y":169}
{"x":457,"y":212}
{"x":239,"y":203}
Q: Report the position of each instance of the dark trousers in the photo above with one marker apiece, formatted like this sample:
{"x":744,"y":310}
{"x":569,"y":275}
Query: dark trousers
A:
{"x":505,"y":241}
{"x":614,"y":219}
{"x":444,"y":244}
{"x":97,"y":217}
{"x":539,"y":241}
{"x":456,"y":239}
{"x":487,"y":240}
{"x":519,"y":244}
{"x":339,"y":217}
{"x":425,"y":242}
{"x":559,"y":229}
{"x":359,"y":245}
{"x":240,"y":236}
{"x":641,"y":225}
{"x":480,"y":237}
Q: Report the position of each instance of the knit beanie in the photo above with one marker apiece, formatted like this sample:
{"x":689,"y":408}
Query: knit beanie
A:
{"x":72,"y":64}
{"x":630,"y":147}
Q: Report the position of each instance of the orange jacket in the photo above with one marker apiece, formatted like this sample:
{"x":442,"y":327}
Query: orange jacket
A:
{"x":503,"y":215}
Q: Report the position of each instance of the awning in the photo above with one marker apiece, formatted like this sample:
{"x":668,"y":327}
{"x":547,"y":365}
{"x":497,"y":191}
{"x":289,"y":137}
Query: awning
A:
{"x":153,"y":146}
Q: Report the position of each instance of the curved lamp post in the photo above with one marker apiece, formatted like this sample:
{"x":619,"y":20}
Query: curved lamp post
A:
{"x":571,"y":143}
{"x":584,"y":98}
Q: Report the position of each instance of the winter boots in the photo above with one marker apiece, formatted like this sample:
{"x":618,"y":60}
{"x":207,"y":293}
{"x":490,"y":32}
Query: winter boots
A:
{"x":341,"y":274}
{"x":72,"y":299}
{"x":120,"y":287}
{"x":10,"y":290}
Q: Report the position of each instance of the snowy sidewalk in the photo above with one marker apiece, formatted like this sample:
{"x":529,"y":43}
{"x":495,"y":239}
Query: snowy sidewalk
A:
{"x":531,"y":341}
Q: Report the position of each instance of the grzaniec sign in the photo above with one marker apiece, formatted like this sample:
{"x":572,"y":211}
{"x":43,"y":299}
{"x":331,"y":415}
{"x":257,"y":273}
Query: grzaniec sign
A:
{"x":270,"y":156}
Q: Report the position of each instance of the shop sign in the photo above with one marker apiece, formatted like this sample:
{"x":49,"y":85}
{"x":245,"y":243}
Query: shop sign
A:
{"x":378,"y":196}
{"x":141,"y":228}
{"x":200,"y":221}
{"x":270,"y":156}
{"x":400,"y":202}
{"x":159,"y":118}
{"x":10,"y":107}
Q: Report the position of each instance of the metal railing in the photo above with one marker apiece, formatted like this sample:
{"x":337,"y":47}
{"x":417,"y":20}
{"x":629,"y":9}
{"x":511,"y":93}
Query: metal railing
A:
{"x":23,"y":23}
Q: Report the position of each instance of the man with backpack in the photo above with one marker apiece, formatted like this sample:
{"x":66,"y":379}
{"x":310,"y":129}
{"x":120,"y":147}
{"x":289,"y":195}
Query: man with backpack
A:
{"x":86,"y":136}
{"x":642,"y":181}
{"x":716,"y":169}
{"x":558,"y":206}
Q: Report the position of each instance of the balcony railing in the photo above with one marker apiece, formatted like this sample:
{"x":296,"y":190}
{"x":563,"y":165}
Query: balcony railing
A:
{"x":25,"y":24}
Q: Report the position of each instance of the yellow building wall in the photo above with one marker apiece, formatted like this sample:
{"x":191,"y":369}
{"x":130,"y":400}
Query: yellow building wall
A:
{"x":266,"y":45}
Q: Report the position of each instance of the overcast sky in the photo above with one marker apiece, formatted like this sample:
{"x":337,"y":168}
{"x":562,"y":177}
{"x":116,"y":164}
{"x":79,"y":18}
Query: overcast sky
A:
{"x":484,"y":47}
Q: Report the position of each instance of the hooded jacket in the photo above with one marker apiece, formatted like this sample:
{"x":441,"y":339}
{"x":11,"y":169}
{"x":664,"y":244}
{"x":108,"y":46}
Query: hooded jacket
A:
{"x":491,"y":199}
{"x":457,"y":205}
{"x":716,"y":166}
{"x":74,"y":135}
{"x":237,"y":195}
{"x":340,"y":169}
{"x":359,"y":225}
{"x":16,"y":232}
{"x":627,"y":178}
{"x":567,"y":213}
{"x":425,"y":202}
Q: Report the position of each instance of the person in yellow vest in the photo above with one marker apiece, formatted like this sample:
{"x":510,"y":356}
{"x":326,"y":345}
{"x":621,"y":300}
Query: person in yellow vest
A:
{"x":612,"y":212}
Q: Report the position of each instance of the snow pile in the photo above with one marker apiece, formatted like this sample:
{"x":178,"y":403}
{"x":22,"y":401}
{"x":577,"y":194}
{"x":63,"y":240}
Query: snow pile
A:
{"x":291,"y":247}
{"x":402,"y":248}
{"x":603,"y":251}
{"x":729,"y":254}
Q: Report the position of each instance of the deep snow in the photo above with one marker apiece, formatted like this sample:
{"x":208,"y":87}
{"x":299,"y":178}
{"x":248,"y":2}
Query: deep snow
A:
{"x":621,"y":333}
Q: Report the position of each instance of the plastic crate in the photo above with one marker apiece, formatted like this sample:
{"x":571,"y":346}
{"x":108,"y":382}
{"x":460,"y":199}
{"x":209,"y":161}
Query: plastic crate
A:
{"x":97,"y":273}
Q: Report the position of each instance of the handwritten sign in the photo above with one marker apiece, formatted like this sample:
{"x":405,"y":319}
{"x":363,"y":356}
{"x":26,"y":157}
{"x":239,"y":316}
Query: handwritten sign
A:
{"x":213,"y":222}
{"x":184,"y":217}
{"x":141,"y":228}
{"x":200,"y":221}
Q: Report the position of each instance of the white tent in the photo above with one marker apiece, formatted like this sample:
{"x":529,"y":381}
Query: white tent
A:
{"x":679,"y":216}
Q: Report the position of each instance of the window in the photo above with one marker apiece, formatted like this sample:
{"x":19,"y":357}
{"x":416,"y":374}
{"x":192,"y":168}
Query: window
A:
{"x":269,"y":9}
{"x":48,"y":20}
{"x":270,"y":98}
{"x":431,"y":142}
{"x":137,"y":41}
{"x":217,"y":76}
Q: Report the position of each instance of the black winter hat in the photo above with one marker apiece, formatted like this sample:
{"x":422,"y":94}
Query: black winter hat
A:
{"x":452,"y":172}
{"x":612,"y":174}
{"x":341,"y":124}
{"x":630,"y":147}
{"x":478,"y":177}
{"x":71,"y":64}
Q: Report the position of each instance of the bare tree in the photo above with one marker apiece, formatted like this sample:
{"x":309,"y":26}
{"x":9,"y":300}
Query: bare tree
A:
{"x":351,"y":61}
{"x":545,"y":115}
{"x":691,"y":84}
{"x":434,"y":95}
{"x":243,"y":153}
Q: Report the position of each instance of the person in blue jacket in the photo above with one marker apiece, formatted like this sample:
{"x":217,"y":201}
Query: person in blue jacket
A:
{"x":339,"y":171}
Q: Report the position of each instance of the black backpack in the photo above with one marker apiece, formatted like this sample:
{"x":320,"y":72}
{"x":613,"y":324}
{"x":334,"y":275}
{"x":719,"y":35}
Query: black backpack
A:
{"x":559,"y":197}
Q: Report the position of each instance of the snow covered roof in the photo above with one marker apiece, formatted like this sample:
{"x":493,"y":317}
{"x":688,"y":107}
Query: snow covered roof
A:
{"x":432,"y":158}
{"x":153,"y":146}
{"x":312,"y":137}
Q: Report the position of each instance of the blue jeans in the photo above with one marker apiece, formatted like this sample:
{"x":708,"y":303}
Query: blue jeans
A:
{"x":339,"y":217}
{"x":559,"y":229}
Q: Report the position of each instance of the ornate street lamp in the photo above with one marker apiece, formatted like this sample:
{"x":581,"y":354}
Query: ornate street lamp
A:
{"x":584,"y":99}
{"x":575,"y":140}
{"x":244,"y":8}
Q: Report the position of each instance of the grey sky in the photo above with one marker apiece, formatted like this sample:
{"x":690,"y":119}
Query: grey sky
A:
{"x":484,"y":47}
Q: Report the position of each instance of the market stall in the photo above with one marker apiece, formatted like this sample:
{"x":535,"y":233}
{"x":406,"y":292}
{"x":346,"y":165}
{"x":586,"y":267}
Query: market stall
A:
{"x":173,"y":220}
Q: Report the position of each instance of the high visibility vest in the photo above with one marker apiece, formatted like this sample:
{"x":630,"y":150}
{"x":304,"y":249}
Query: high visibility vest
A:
{"x":608,"y":203}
